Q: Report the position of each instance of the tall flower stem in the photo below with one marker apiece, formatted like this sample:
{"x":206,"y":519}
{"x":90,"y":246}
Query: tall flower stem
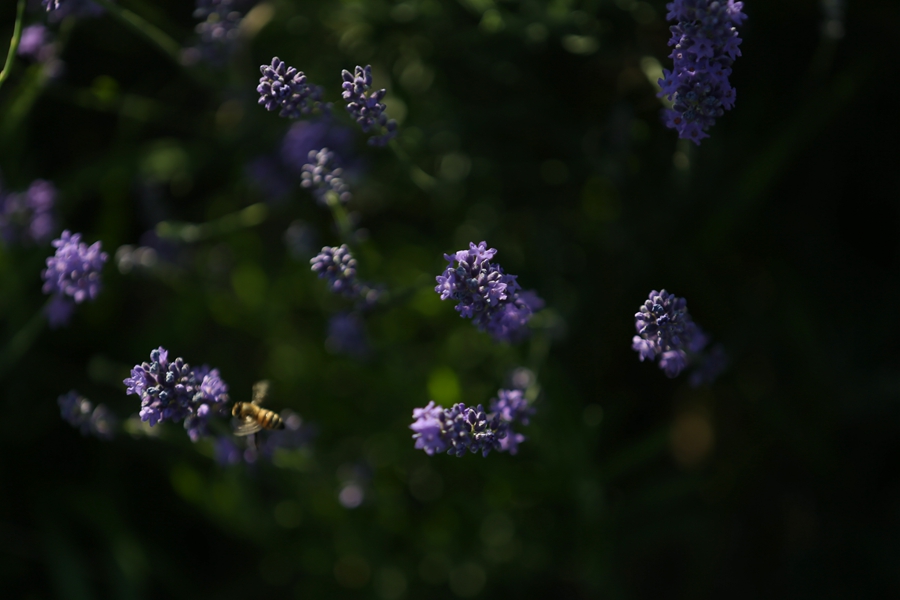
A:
{"x":341,"y":219}
{"x":14,"y":42}
{"x":250,"y":216}
{"x":155,"y":35}
{"x":423,"y":180}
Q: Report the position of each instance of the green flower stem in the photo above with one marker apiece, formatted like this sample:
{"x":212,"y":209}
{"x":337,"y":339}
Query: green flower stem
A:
{"x":159,"y":38}
{"x":419,"y":177}
{"x":341,"y":219}
{"x":251,"y":216}
{"x":14,"y":42}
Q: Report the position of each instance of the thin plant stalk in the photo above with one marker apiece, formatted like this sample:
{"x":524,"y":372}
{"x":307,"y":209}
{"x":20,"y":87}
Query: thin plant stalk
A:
{"x":14,"y":42}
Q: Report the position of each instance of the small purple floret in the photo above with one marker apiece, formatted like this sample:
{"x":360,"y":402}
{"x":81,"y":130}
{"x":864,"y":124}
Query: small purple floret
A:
{"x":28,"y":216}
{"x":322,"y":177}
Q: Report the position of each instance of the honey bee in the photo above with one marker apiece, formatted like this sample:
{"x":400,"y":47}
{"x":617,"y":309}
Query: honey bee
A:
{"x":253,"y":418}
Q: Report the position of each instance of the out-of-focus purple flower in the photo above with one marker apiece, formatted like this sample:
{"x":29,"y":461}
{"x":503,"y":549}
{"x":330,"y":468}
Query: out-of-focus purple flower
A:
{"x":484,"y":293}
{"x":366,"y":107}
{"x":512,"y":406}
{"x":37,"y":43}
{"x":322,"y":177}
{"x":226,"y":451}
{"x":73,"y":272}
{"x":58,"y":311}
{"x":286,"y":89}
{"x":79,"y":412}
{"x":706,"y":42}
{"x":28,"y":216}
{"x":667,"y":331}
{"x":172,"y":391}
{"x":218,"y":31}
{"x":304,"y":136}
{"x":338,"y":266}
{"x":346,"y":335}
{"x":711,"y":366}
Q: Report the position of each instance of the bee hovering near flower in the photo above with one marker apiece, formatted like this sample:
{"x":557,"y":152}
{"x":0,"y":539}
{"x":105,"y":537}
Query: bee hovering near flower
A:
{"x":253,"y":418}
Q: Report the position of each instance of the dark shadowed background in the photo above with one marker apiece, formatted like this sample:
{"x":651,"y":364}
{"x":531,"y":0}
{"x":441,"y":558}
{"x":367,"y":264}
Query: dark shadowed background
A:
{"x":540,"y":123}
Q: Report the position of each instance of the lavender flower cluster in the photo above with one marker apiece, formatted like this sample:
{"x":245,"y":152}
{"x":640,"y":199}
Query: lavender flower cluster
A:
{"x":337,"y":265}
{"x":367,"y":107}
{"x":218,"y":30}
{"x":706,"y":42}
{"x":322,"y":176}
{"x":484,"y":293}
{"x":80,"y":413}
{"x":287,"y":90}
{"x":28,"y":216}
{"x":172,"y":391}
{"x":73,"y":272}
{"x":460,"y":429}
{"x":667,"y":331}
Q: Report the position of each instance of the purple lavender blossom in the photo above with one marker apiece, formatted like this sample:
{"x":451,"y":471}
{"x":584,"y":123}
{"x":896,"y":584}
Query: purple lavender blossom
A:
{"x":36,"y":43}
{"x":346,"y":335}
{"x":28,"y":216}
{"x":338,"y":266}
{"x":304,"y":136}
{"x":286,"y":88}
{"x":322,"y":176}
{"x":366,"y":107}
{"x":172,"y":391}
{"x":512,"y":406}
{"x":667,"y":331}
{"x":81,"y":414}
{"x":456,"y":430}
{"x":705,"y":41}
{"x":73,"y":272}
{"x":51,"y":5}
{"x":484,"y":293}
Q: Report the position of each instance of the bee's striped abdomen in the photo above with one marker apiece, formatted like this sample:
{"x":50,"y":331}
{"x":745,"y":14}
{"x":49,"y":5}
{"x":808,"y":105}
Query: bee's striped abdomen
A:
{"x":270,"y":419}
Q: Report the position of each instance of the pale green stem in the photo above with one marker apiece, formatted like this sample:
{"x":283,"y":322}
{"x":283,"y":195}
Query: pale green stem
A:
{"x":146,"y":29}
{"x":14,"y":42}
{"x":251,"y":216}
{"x":419,"y":177}
{"x":341,"y":219}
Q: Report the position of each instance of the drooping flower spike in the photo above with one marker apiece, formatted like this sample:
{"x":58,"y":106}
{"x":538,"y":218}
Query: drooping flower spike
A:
{"x":706,"y":42}
{"x":367,"y":107}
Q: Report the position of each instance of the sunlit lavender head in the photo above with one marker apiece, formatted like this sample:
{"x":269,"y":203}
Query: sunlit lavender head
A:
{"x":218,"y":30}
{"x":665,"y":330}
{"x":287,"y":90}
{"x":706,"y":42}
{"x":367,"y":107}
{"x":484,"y":293}
{"x":172,"y":391}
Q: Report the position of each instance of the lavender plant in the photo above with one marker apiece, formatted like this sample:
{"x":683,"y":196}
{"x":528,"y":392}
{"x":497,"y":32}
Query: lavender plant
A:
{"x":462,"y":429}
{"x":706,"y":42}
{"x":218,"y":30}
{"x":72,"y":273}
{"x":287,"y":90}
{"x":367,"y":107}
{"x":666,"y":331}
{"x":172,"y":391}
{"x":323,"y":178}
{"x":484,"y":293}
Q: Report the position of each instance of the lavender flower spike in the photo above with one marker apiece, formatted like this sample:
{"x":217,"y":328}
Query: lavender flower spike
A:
{"x":338,"y":266}
{"x":705,"y":41}
{"x":73,"y":272}
{"x":665,"y":330}
{"x":456,"y":430}
{"x":172,"y":391}
{"x":323,"y":177}
{"x":367,"y":108}
{"x":286,"y":88}
{"x":484,"y":293}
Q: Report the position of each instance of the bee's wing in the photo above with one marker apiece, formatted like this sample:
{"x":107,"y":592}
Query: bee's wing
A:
{"x":247,"y":427}
{"x":260,"y":391}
